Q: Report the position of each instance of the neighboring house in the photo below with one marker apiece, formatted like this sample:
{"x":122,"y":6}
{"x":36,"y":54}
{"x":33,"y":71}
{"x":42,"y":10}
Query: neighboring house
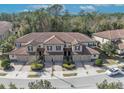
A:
{"x":54,"y":46}
{"x":5,"y":29}
{"x":115,"y":36}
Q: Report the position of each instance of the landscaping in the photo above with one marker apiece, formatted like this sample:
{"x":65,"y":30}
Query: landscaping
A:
{"x":3,"y":74}
{"x":69,"y":65}
{"x":98,"y":62}
{"x":70,"y":74}
{"x":111,"y":62}
{"x":100,"y":71}
{"x":36,"y":66}
{"x":5,"y":64}
{"x":33,"y":75}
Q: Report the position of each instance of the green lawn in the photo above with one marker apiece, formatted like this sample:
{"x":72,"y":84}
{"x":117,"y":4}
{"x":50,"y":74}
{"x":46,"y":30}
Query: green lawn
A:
{"x":3,"y":74}
{"x":100,"y":71}
{"x":0,"y":64}
{"x":111,"y":62}
{"x":70,"y":74}
{"x":33,"y":75}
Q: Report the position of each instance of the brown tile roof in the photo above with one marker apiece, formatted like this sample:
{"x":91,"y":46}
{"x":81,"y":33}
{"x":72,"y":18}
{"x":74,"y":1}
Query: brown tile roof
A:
{"x":91,"y":51}
{"x":59,"y":37}
{"x":121,"y":46}
{"x":19,"y":51}
{"x":88,"y":51}
{"x":5,"y":26}
{"x":111,"y":34}
{"x":54,"y":40}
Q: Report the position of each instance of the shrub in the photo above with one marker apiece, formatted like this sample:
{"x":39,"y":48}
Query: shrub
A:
{"x":68,"y":66}
{"x":98,"y":62}
{"x":36,"y":66}
{"x":5,"y":64}
{"x":109,"y":85}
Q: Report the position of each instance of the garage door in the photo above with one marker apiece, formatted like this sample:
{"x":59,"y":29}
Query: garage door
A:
{"x":58,"y":58}
{"x":76,"y":58}
{"x":86,"y":58}
{"x":48,"y":58}
{"x":80,"y":58}
{"x":22,"y":58}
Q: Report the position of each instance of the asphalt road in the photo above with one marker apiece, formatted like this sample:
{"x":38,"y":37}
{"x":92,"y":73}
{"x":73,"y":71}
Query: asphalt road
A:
{"x":88,"y":82}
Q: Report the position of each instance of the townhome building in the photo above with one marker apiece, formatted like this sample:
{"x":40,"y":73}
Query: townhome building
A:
{"x":54,"y":46}
{"x":114,"y":36}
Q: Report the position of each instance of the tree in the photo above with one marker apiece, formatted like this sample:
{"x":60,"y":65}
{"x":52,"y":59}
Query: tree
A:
{"x":40,"y":85}
{"x":112,"y":85}
{"x":12,"y":86}
{"x":98,"y":62}
{"x":5,"y":63}
{"x":109,"y":49}
{"x":2,"y":86}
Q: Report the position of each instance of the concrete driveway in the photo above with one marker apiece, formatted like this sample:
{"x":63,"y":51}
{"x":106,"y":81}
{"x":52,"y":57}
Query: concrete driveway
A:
{"x":48,"y":66}
{"x":58,"y":66}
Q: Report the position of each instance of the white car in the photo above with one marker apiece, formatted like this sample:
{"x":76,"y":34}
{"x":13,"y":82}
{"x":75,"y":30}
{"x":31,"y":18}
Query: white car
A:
{"x":113,"y":71}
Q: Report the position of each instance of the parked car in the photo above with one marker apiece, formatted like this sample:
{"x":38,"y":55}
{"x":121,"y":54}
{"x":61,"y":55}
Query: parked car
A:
{"x":113,"y":71}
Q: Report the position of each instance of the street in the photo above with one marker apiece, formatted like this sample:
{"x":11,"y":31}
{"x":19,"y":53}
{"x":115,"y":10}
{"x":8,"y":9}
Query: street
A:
{"x":88,"y":82}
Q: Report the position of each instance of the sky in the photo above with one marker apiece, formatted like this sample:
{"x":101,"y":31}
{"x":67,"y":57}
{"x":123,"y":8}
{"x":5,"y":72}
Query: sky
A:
{"x":74,"y":8}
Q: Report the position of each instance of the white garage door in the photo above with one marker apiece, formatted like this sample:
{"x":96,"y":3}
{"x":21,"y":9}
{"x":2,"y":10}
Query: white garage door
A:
{"x":80,"y":58}
{"x":58,"y":58}
{"x":22,"y":58}
{"x":86,"y":57}
{"x":48,"y":58}
{"x":76,"y":58}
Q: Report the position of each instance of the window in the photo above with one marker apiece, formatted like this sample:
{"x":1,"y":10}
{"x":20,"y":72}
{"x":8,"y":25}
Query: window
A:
{"x":12,"y":56}
{"x":49,"y":47}
{"x":18,"y":45}
{"x":58,"y":47}
{"x":30,"y":48}
{"x":90,"y":44}
{"x":77,"y":47}
{"x":94,"y":55}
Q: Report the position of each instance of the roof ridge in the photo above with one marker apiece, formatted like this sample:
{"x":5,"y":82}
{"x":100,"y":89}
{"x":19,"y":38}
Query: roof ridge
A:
{"x":49,"y":39}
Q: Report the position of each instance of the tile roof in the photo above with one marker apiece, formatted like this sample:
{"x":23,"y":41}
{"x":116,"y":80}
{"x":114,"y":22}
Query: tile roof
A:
{"x":5,"y":26}
{"x":59,"y":37}
{"x":88,"y":51}
{"x":19,"y":51}
{"x":111,"y":34}
{"x":54,"y":40}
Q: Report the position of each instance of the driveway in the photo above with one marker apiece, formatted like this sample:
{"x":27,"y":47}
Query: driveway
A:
{"x":48,"y":66}
{"x":58,"y":66}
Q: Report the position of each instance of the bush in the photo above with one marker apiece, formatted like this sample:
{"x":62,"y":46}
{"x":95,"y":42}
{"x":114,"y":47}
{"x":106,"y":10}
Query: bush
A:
{"x":98,"y":62}
{"x":5,"y":64}
{"x":37,"y":66}
{"x":69,"y":66}
{"x":109,"y":85}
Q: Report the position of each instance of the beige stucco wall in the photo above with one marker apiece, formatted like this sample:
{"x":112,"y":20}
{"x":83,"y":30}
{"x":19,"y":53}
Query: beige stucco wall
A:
{"x":94,"y":57}
{"x":101,"y":40}
{"x":120,"y":51}
{"x":54,"y":48}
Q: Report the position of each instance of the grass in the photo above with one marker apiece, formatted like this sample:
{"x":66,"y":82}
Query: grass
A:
{"x":120,"y":66}
{"x":3,"y":74}
{"x":33,"y":75}
{"x":70,"y":74}
{"x":100,"y":71}
{"x":111,"y":62}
